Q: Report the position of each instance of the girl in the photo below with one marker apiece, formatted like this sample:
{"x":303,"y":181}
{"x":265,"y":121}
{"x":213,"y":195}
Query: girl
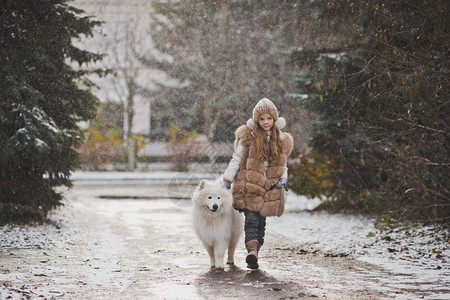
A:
{"x":257,"y":173}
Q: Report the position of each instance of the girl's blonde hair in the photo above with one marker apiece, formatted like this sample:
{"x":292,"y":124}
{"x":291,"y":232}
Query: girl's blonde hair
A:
{"x":267,"y":150}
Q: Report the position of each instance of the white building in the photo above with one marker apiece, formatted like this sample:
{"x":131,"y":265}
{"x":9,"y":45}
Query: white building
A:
{"x":126,"y":29}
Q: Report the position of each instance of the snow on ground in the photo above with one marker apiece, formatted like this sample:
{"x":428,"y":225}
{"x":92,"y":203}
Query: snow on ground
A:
{"x":420,"y":245}
{"x":29,"y":236}
{"x":420,"y":254}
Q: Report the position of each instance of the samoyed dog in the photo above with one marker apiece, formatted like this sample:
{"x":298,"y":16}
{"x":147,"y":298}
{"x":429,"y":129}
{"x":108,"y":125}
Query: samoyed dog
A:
{"x":216,"y":222}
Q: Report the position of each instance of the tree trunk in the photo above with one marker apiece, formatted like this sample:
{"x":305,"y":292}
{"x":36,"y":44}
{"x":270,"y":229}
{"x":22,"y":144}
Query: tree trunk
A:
{"x":212,"y":155}
{"x":211,"y":123}
{"x":129,"y":123}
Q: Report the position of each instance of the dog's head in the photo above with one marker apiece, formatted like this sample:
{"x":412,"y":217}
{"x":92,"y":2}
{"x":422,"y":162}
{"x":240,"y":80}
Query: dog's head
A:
{"x":212,"y":195}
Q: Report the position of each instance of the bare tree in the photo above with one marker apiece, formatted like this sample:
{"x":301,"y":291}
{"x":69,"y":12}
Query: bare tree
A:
{"x":126,"y":70}
{"x":229,"y":53}
{"x":124,"y":41}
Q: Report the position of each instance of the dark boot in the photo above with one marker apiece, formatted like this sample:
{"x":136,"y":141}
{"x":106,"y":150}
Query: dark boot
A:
{"x":252,"y":256}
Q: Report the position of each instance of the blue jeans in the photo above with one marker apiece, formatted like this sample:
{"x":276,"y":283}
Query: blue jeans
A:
{"x":255,"y":226}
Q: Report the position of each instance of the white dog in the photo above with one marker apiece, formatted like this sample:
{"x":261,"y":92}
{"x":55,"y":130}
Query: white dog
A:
{"x":216,"y":222}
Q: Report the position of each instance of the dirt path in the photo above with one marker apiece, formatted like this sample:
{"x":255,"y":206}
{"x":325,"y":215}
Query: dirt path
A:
{"x":146,"y":249}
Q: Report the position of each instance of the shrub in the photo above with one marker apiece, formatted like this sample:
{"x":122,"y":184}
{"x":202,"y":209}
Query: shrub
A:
{"x":182,"y":147}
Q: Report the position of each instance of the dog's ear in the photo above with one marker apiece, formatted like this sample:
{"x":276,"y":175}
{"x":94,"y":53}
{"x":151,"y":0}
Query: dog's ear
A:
{"x":202,"y":184}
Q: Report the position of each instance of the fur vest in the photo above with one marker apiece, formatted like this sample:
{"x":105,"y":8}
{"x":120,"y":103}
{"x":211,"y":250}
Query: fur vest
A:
{"x":251,"y":185}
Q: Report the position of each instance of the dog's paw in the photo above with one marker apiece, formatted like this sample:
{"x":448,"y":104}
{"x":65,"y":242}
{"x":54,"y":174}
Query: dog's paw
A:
{"x":213,"y":267}
{"x":230,"y":262}
{"x":219,"y":267}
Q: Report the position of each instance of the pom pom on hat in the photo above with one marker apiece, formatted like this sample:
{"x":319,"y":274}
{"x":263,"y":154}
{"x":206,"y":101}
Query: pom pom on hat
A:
{"x":251,"y":124}
{"x":280,"y":123}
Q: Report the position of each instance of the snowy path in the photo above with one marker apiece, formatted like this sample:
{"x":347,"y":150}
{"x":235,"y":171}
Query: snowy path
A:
{"x":140,"y":245}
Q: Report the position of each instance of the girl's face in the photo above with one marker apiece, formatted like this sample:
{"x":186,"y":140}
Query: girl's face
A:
{"x":265,"y":121}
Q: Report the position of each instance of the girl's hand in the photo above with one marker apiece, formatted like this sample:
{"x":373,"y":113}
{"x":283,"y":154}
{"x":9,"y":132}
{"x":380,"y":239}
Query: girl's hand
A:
{"x":279,"y":185}
{"x":227,"y":184}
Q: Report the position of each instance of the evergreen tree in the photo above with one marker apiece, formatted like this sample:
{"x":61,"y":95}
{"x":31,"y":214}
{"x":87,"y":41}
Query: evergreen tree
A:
{"x":383,"y":102}
{"x":42,"y":98}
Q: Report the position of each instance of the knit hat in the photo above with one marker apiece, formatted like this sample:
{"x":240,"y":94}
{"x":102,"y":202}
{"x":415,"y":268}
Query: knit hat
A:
{"x":265,"y":106}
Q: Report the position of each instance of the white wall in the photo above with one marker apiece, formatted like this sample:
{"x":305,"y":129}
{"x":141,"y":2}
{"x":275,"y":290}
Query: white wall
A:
{"x":117,"y":15}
